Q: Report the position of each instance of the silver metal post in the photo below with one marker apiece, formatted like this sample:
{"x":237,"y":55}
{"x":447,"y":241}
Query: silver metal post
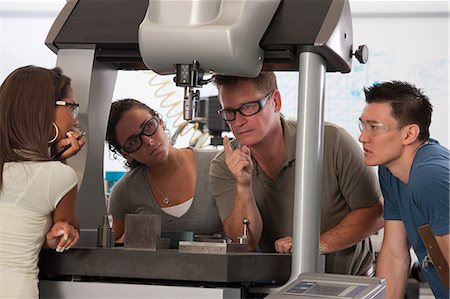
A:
{"x":93,"y":84}
{"x":309,"y":157}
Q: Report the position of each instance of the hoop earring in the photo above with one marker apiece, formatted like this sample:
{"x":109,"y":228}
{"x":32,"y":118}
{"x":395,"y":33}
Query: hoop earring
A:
{"x":56,"y":133}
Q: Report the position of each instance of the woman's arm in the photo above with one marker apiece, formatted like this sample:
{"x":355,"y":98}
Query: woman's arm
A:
{"x":65,"y":230}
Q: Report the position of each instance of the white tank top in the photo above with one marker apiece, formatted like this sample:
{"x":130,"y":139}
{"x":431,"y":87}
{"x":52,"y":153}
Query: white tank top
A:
{"x":179,"y":210}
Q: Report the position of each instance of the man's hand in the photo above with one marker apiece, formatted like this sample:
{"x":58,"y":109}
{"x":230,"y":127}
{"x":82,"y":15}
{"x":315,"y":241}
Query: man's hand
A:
{"x":239,"y":162}
{"x":62,"y":236}
{"x":284,"y":245}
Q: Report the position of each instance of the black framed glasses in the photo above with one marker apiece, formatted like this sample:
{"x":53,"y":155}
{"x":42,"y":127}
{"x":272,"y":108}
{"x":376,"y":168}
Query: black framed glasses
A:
{"x":247,"y":109}
{"x":74,"y":108}
{"x":134,"y":142}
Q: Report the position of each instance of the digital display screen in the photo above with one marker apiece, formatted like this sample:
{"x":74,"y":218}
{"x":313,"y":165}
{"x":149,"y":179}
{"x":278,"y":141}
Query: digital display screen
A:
{"x":325,"y":289}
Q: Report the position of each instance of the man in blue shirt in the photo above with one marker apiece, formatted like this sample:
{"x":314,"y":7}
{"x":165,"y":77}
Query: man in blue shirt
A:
{"x":414,"y":178}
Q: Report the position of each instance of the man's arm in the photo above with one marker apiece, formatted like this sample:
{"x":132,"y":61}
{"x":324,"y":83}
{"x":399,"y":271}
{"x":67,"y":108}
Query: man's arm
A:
{"x":358,"y":186}
{"x":355,"y":227}
{"x":231,"y":183}
{"x":359,"y":189}
{"x":443,"y":242}
{"x":394,"y":259}
{"x":244,"y":207}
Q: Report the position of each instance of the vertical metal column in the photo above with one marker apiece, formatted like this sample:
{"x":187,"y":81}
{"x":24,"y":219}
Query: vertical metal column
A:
{"x":308,"y":164}
{"x":93,"y":84}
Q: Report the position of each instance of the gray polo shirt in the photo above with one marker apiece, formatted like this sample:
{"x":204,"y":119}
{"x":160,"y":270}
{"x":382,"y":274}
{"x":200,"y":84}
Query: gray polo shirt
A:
{"x":347,"y":185}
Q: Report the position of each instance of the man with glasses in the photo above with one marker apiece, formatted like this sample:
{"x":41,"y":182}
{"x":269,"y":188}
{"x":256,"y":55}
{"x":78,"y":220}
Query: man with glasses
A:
{"x":414,"y":179}
{"x":253,"y":178}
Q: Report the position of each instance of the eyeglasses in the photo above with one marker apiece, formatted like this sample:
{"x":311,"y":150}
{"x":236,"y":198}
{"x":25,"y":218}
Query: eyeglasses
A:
{"x":74,"y":108}
{"x":135,"y":142}
{"x":247,"y":109}
{"x":374,"y":128}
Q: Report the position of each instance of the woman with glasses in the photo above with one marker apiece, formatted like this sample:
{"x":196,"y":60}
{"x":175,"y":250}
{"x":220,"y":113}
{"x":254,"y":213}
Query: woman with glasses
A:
{"x":162,"y":180}
{"x":37,"y":194}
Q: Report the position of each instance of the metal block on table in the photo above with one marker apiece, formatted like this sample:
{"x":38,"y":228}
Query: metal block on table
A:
{"x":142,"y":231}
{"x":163,"y":243}
{"x":211,"y":247}
{"x":176,"y":236}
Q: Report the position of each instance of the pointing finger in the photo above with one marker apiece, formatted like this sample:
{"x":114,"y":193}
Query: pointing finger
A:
{"x":226,"y":146}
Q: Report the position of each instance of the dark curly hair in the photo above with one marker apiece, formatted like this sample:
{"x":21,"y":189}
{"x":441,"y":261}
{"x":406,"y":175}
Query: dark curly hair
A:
{"x":118,"y":108}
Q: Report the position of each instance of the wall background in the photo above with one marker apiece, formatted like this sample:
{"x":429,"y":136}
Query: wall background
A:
{"x":407,"y":40}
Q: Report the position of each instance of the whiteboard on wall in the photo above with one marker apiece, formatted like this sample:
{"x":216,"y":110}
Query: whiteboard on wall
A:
{"x":408,"y":41}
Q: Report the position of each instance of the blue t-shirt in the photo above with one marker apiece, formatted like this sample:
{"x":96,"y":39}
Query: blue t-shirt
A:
{"x":424,"y":200}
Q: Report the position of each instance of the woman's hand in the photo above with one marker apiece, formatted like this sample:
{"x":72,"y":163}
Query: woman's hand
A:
{"x":72,"y":140}
{"x":62,"y":236}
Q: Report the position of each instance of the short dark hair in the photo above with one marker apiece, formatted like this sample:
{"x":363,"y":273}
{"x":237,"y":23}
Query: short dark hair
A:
{"x":265,"y":82}
{"x":409,"y":104}
{"x":118,"y":108}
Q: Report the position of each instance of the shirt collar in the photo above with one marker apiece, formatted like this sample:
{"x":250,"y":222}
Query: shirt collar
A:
{"x":289,"y":134}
